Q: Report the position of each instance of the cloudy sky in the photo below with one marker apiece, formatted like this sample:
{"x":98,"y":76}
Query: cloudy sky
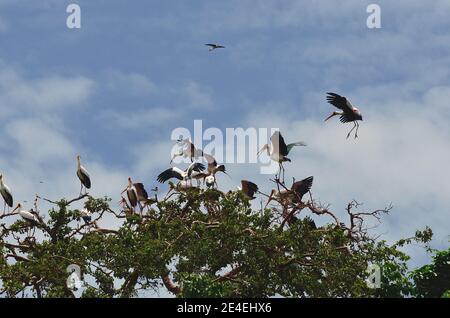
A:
{"x":114,"y":90}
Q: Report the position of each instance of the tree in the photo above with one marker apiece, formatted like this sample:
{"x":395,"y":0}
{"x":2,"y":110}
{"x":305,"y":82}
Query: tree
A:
{"x":200,"y":243}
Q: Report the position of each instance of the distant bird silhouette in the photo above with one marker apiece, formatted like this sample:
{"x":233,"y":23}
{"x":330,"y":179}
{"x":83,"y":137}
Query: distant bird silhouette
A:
{"x":348,"y":114}
{"x":213,"y":46}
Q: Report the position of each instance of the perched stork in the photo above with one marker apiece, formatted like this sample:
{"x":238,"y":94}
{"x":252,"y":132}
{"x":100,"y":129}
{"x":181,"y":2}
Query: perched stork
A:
{"x":83,"y":175}
{"x":86,"y":215}
{"x":28,"y":216}
{"x":213,"y":167}
{"x":131,"y":193}
{"x":179,"y":174}
{"x":213,"y":46}
{"x":188,"y":151}
{"x":249,"y":189}
{"x":142,"y":195}
{"x":348,"y":114}
{"x":6,"y":194}
{"x":293,"y":195}
{"x":279,"y":151}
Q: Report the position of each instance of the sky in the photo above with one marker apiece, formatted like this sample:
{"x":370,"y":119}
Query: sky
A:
{"x":115,"y":89}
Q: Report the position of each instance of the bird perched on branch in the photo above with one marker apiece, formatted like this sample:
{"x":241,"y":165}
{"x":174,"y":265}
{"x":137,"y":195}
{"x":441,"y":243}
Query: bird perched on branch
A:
{"x":213,"y":46}
{"x":83,"y":175}
{"x":293,"y":195}
{"x":348,"y":114}
{"x":29,"y":216}
{"x":86,"y":215}
{"x":6,"y":194}
{"x":278,"y":151}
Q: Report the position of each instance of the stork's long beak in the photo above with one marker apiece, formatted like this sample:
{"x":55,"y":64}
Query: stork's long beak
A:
{"x":124,"y":190}
{"x":18,"y":206}
{"x":268,"y":201}
{"x":332,"y":115}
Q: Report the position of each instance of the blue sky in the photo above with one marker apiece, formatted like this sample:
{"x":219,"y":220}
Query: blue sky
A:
{"x":115,"y":89}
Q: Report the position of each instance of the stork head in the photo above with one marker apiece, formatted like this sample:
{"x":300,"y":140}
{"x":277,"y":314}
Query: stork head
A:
{"x":18,"y":207}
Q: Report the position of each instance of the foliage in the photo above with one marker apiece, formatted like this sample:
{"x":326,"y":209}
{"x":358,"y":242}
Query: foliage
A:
{"x":206,"y":243}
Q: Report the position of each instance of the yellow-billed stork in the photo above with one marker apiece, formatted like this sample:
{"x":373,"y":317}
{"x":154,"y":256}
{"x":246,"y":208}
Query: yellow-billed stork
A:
{"x":278,"y":151}
{"x":83,"y":175}
{"x":6,"y":194}
{"x":348,"y":114}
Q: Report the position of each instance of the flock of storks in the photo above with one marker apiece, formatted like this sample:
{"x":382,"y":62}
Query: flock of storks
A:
{"x":137,"y":195}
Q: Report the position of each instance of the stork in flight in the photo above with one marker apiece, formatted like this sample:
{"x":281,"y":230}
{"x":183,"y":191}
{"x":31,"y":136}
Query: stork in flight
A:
{"x":179,"y":174}
{"x":348,"y":113}
{"x":249,"y":189}
{"x":188,"y":151}
{"x":6,"y":194}
{"x":83,"y":175}
{"x":278,"y":151}
{"x":213,"y":46}
{"x":293,"y":195}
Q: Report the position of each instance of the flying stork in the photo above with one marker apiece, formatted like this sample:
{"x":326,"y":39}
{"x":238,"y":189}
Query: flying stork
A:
{"x":179,"y":174}
{"x":189,"y":151}
{"x":213,"y":167}
{"x":293,"y":195}
{"x":6,"y":194}
{"x":278,"y":151}
{"x":213,"y":46}
{"x":249,"y":189}
{"x":348,"y":114}
{"x":83,"y":175}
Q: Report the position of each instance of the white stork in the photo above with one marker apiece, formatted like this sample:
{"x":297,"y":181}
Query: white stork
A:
{"x":188,"y":151}
{"x":348,"y":114}
{"x":179,"y":174}
{"x":278,"y":151}
{"x":6,"y":194}
{"x":83,"y":175}
{"x":213,"y":46}
{"x":293,"y":195}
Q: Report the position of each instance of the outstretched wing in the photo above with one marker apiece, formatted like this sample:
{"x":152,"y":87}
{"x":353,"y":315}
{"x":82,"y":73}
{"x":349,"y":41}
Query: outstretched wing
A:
{"x":210,"y":160}
{"x":141,"y":192}
{"x":340,"y":102}
{"x":169,"y":174}
{"x":249,"y":188}
{"x":300,"y":188}
{"x":294,"y":144}
{"x":278,"y":143}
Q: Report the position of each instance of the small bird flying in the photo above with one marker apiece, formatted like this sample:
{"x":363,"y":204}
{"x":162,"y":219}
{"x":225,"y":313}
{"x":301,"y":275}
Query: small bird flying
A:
{"x":348,"y":112}
{"x":213,"y":46}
